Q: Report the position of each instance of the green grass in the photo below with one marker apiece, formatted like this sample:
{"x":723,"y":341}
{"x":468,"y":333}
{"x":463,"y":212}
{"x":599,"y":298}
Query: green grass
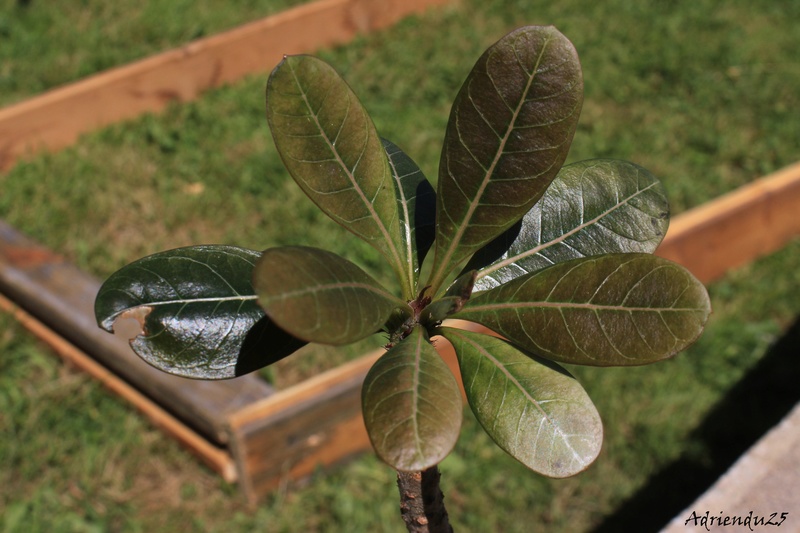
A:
{"x":47,"y":44}
{"x":700,"y":93}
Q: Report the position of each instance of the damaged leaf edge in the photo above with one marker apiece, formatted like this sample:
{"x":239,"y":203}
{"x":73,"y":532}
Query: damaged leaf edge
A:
{"x":138,"y":313}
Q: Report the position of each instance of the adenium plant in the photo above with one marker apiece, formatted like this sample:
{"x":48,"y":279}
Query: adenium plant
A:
{"x":555,"y":260}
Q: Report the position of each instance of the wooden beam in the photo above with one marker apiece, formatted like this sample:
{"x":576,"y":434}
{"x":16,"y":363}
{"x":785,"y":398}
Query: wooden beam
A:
{"x":56,"y":118}
{"x":736,"y":228}
{"x":218,"y":459}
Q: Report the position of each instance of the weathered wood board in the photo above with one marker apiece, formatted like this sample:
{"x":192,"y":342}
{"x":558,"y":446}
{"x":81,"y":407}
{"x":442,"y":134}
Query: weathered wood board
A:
{"x":738,"y":227}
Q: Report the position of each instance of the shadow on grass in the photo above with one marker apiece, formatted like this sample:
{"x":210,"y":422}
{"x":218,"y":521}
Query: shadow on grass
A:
{"x":751,"y":408}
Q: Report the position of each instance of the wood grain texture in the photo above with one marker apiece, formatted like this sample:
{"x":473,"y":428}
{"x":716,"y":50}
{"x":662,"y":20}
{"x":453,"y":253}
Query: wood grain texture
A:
{"x":55,"y":119}
{"x":736,"y":228}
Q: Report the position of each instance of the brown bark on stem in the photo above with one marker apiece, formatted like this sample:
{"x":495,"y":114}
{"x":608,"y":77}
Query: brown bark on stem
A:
{"x":422,"y":502}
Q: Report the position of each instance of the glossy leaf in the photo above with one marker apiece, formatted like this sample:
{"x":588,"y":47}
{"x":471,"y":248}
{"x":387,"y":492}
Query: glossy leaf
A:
{"x":197,"y":312}
{"x":319,"y":296}
{"x":510,"y":129}
{"x":330,"y":146}
{"x":416,"y":203}
{"x":533,"y":409}
{"x":592,"y":207}
{"x":412,"y":405}
{"x":616,"y":309}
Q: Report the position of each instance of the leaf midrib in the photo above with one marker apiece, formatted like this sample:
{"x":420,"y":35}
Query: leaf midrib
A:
{"x":335,"y":286}
{"x":455,"y":241}
{"x":365,"y":201}
{"x":561,"y":305}
{"x":563,"y":237}
{"x":408,"y":237}
{"x":195,"y":300}
{"x":523,"y":391}
{"x":182,"y":301}
{"x":415,"y":400}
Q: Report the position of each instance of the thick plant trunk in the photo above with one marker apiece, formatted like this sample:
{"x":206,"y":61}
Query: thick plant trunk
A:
{"x":422,"y":502}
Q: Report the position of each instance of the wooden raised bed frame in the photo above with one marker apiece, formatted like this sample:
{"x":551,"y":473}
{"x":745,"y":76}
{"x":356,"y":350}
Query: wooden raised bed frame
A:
{"x":243,"y":429}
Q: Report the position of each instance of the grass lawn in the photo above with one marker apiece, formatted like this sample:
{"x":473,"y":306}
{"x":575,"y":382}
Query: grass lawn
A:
{"x":49,"y":44}
{"x":701,"y":93}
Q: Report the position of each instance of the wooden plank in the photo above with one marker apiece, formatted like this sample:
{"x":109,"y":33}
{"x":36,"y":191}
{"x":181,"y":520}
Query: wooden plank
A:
{"x":218,"y":459}
{"x":56,"y":118}
{"x":62,"y":297}
{"x":734,"y":229}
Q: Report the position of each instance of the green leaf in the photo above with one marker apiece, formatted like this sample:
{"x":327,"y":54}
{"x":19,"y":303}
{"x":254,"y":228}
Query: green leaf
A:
{"x":197,"y":312}
{"x":510,"y":129}
{"x":533,"y":409}
{"x":416,"y":203}
{"x":330,"y":146}
{"x":412,"y":405}
{"x":321,"y":297}
{"x":592,"y":207}
{"x":616,"y":309}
